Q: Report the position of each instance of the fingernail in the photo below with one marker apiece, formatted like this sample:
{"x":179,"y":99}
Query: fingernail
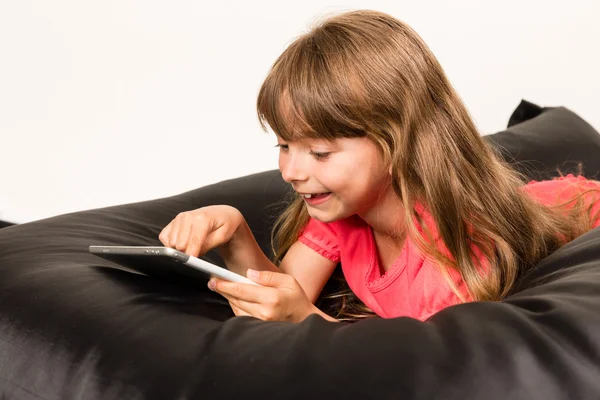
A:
{"x":252,"y":273}
{"x":211,"y":284}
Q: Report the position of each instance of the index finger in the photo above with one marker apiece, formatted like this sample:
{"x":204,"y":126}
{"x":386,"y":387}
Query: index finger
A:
{"x":163,"y":236}
{"x":196,"y":238}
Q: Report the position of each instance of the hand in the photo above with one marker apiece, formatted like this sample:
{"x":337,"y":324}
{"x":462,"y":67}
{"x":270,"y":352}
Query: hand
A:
{"x":280,"y":298}
{"x":198,"y":231}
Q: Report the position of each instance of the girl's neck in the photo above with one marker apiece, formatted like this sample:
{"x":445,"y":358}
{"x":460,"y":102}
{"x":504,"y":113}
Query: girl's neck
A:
{"x":386,"y":218}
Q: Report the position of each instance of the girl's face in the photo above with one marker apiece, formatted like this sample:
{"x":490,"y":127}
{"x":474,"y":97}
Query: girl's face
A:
{"x":337,"y":179}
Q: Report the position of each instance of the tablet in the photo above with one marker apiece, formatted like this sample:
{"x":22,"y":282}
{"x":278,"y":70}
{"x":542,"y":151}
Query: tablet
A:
{"x":166,"y":262}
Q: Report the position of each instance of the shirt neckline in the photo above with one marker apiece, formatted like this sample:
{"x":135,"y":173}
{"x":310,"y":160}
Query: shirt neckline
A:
{"x":374,"y":280}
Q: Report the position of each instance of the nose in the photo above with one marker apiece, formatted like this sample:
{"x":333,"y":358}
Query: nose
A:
{"x":292,"y":168}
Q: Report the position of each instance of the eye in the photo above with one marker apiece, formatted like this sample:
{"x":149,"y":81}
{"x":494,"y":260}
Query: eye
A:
{"x":282,"y":147}
{"x":320,"y":156}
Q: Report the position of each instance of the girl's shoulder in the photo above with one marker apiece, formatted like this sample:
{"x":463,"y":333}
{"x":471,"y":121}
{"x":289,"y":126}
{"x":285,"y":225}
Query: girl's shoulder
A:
{"x":569,"y":180}
{"x":561,"y":188}
{"x":328,"y":238}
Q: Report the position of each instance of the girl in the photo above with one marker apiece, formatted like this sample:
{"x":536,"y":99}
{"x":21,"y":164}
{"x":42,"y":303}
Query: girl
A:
{"x":392,"y":179}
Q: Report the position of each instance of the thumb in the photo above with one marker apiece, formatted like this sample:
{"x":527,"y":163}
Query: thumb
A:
{"x":268,"y":278}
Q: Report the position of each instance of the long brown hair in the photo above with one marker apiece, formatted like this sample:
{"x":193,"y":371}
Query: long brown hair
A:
{"x":367,"y":74}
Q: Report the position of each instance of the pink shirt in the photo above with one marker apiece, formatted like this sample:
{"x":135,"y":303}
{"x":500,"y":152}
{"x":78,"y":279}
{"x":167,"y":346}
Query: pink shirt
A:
{"x":412,"y":286}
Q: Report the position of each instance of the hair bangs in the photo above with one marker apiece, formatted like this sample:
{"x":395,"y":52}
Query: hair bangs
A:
{"x":305,"y":97}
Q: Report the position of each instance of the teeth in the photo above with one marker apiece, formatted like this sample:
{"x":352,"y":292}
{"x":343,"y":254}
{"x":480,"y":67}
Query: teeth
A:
{"x":310,"y":195}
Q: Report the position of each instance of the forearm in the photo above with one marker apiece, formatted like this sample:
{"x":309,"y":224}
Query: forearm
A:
{"x":243,"y":252}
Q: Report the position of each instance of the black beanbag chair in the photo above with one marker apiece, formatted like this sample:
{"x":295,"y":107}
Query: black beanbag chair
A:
{"x":73,"y":326}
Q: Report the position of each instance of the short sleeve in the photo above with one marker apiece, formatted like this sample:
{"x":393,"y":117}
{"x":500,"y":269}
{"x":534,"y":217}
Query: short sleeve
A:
{"x":322,"y":238}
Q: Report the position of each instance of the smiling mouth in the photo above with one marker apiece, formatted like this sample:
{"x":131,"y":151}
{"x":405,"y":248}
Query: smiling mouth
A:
{"x":315,"y":195}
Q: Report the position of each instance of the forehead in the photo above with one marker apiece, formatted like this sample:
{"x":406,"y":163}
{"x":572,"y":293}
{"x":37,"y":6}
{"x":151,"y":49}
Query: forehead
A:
{"x":293,"y":121}
{"x":303,"y":116}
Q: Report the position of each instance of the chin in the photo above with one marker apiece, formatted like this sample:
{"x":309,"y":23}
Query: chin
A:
{"x":322,"y":219}
{"x":325,"y":216}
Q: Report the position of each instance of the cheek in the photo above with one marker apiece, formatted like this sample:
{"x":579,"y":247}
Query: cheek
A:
{"x":345,"y":178}
{"x":360,"y":178}
{"x":351,"y":169}
{"x":336,"y":177}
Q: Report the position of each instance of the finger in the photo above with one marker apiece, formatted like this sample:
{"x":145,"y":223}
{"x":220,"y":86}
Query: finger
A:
{"x":270,"y":278}
{"x":242,"y":291}
{"x":163,"y":236}
{"x":197,"y":241}
{"x":247,"y":308}
{"x":238,"y":311}
{"x":174,"y":231}
{"x":184,"y":233}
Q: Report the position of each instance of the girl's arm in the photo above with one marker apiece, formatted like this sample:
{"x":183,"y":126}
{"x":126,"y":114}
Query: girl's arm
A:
{"x":223,"y":227}
{"x":309,"y":268}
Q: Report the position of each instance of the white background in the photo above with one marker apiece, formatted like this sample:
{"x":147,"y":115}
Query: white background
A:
{"x":116,"y":101}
